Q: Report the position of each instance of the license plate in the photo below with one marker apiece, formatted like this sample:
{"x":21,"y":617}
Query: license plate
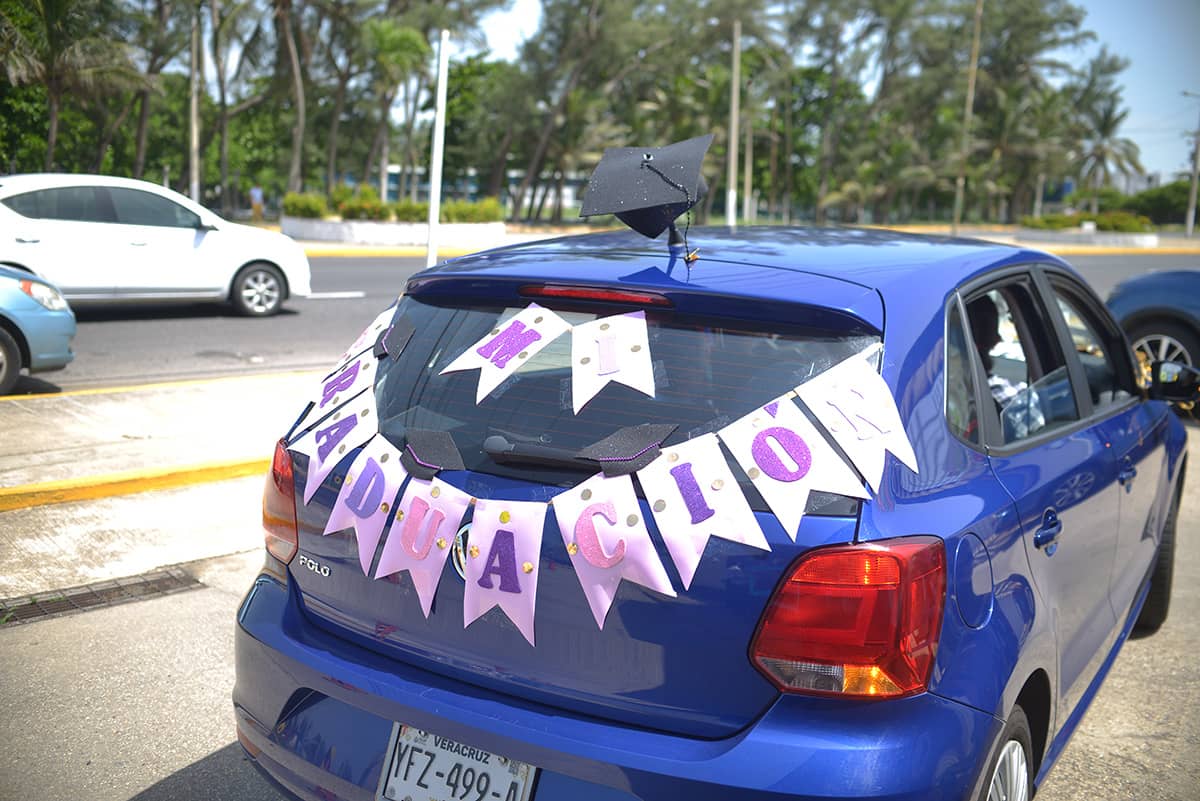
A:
{"x":425,"y":767}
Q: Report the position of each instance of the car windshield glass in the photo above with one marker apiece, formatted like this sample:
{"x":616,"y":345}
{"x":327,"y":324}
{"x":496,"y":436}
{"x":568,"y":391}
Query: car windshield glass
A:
{"x":707,"y":373}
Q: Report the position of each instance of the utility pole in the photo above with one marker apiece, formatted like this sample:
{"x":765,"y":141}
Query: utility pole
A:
{"x":1190,"y":220}
{"x":194,"y":111}
{"x":435,"y":161}
{"x":972,"y":69}
{"x":748,"y":176}
{"x":731,"y":172}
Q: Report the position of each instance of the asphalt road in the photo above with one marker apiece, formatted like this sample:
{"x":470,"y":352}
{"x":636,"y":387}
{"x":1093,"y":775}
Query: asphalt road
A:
{"x":132,"y":345}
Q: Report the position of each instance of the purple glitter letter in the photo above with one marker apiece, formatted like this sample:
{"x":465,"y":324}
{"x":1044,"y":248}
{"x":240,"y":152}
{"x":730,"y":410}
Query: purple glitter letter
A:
{"x":339,"y":383}
{"x":508,"y":343}
{"x":502,"y":560}
{"x":589,"y":543}
{"x":328,"y":438}
{"x":693,"y":496}
{"x":793,"y":445}
{"x":412,"y":528}
{"x":367,"y":493}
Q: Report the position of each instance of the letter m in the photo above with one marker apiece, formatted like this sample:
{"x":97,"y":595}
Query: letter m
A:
{"x":508,"y":343}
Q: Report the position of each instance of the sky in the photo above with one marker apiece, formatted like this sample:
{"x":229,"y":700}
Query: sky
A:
{"x":1160,"y":38}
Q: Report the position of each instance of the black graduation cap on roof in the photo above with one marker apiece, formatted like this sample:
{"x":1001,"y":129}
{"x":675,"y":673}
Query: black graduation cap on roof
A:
{"x":648,"y":187}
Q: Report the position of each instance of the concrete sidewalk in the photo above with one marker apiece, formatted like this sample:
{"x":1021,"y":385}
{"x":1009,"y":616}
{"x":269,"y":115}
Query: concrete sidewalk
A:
{"x":96,"y":443}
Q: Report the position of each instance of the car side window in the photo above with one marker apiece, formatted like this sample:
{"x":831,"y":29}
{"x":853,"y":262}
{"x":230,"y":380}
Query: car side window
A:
{"x":72,"y":203}
{"x":135,"y":207}
{"x":961,"y":413}
{"x":1100,"y":349}
{"x":1026,"y":371}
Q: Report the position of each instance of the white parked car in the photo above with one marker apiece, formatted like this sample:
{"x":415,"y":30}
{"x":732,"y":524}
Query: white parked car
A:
{"x":104,"y":240}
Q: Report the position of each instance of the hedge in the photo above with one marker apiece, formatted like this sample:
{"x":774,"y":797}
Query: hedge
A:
{"x":308,"y":205}
{"x":1118,"y":221}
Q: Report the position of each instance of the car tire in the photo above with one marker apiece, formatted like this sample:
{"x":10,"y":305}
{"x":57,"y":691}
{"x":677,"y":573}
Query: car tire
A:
{"x":1009,"y":775}
{"x":258,"y":290}
{"x":1158,"y":599}
{"x":10,"y":362}
{"x":1163,"y":338}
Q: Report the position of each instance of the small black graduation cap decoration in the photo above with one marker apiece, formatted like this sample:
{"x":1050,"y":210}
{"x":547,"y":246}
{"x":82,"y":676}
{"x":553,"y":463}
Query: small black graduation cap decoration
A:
{"x":648,"y":187}
{"x":427,"y":452}
{"x":629,"y":449}
{"x":394,"y":338}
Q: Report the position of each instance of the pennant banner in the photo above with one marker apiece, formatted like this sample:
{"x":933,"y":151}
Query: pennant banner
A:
{"x":854,"y":403}
{"x":422,"y":535}
{"x":366,"y":339}
{"x":786,"y":457}
{"x":351,"y":380}
{"x":508,"y":346}
{"x":605,"y":533}
{"x":347,"y":428}
{"x":367,"y":496}
{"x":503,"y":559}
{"x":694,"y":496}
{"x":613,"y":348}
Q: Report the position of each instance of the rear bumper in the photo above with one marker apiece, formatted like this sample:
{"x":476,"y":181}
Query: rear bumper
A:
{"x":315,"y":711}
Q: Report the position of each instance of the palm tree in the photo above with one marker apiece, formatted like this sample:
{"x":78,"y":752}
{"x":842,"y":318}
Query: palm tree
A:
{"x":62,"y":45}
{"x":1105,"y":153}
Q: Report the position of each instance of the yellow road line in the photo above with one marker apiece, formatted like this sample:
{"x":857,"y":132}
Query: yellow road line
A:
{"x":188,"y":382}
{"x":126,"y":483}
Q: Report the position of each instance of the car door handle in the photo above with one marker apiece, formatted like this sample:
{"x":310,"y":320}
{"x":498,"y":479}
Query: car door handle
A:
{"x":1126,"y":476}
{"x":23,"y":241}
{"x":1047,"y":535}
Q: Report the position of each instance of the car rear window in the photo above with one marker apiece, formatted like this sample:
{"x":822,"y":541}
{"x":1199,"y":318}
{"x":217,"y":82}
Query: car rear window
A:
{"x":707,"y":373}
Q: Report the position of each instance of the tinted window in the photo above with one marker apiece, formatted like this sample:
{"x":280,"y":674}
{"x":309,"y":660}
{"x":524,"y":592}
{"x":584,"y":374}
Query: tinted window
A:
{"x":706,"y":376}
{"x":1026,"y":372}
{"x":135,"y":207}
{"x":1100,"y":353}
{"x":75,"y":203}
{"x":961,"y":414}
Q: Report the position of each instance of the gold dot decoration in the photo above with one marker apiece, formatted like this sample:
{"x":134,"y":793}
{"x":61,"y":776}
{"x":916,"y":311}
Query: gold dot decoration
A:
{"x":672,"y":457}
{"x":586,"y":495}
{"x":335,"y":400}
{"x":383,"y":458}
{"x":538,"y":319}
{"x":753,"y":472}
{"x":441,"y":543}
{"x":383,"y":507}
{"x":636,"y":348}
{"x":474,"y":551}
{"x":717,"y":484}
{"x":603,"y":326}
{"x":527,"y":567}
{"x":336,"y":415}
{"x":660,"y":505}
{"x":365,"y":412}
{"x":505,"y":516}
{"x":341,"y":449}
{"x":495,"y":331}
{"x":435,"y":492}
{"x":399,"y":515}
{"x":572,"y":548}
{"x":631,"y":521}
{"x":585,"y":360}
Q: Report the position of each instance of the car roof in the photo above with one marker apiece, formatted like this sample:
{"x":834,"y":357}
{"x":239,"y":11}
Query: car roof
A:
{"x":904,"y":270}
{"x":27,"y":182}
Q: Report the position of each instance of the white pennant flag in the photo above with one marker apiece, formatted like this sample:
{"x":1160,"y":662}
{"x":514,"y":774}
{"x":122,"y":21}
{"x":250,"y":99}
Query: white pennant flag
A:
{"x":512,"y":343}
{"x":786,"y":457}
{"x":347,"y":428}
{"x":854,"y":403}
{"x":694,"y":496}
{"x":367,"y":496}
{"x":339,"y":388}
{"x":615,"y":348}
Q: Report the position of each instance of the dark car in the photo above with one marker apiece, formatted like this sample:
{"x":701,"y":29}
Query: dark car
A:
{"x":1161,"y":314}
{"x":823,"y":514}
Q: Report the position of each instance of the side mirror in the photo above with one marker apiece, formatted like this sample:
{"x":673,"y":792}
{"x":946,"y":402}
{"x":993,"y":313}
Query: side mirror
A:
{"x":1174,"y":382}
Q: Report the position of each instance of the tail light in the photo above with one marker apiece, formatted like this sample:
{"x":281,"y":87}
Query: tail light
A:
{"x":279,"y":507}
{"x":603,"y":294}
{"x":856,"y":621}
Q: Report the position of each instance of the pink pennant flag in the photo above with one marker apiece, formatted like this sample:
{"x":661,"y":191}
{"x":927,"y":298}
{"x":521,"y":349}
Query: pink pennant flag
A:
{"x":855,"y":404}
{"x":786,"y":457}
{"x":367,"y":338}
{"x":339,"y":388}
{"x":343,"y":431}
{"x":694,"y":496}
{"x":422,"y":535}
{"x":606,"y":537}
{"x":503,"y":560}
{"x":615,"y":348}
{"x":367,"y":496}
{"x":508,"y":346}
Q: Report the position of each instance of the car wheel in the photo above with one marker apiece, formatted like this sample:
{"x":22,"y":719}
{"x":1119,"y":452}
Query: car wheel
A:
{"x":1010,"y":774}
{"x":257,"y":290}
{"x":10,"y":362}
{"x":1158,"y":599}
{"x":1164,"y":340}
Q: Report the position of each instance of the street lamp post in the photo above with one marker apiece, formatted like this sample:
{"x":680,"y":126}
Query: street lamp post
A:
{"x":1190,"y":220}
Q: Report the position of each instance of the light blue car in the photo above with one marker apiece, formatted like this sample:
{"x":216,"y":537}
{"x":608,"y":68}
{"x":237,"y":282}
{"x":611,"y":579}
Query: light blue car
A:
{"x":36,"y":327}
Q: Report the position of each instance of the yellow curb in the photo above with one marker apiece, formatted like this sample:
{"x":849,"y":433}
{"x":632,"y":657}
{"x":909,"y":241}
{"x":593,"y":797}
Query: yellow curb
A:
{"x":189,"y":382}
{"x":126,"y":483}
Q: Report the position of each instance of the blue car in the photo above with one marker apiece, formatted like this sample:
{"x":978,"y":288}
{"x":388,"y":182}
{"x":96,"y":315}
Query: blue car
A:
{"x":36,"y":327}
{"x":808,"y":514}
{"x":1161,"y":314}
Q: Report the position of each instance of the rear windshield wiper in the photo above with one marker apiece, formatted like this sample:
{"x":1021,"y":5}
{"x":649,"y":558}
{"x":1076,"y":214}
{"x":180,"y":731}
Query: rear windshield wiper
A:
{"x":502,"y":451}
